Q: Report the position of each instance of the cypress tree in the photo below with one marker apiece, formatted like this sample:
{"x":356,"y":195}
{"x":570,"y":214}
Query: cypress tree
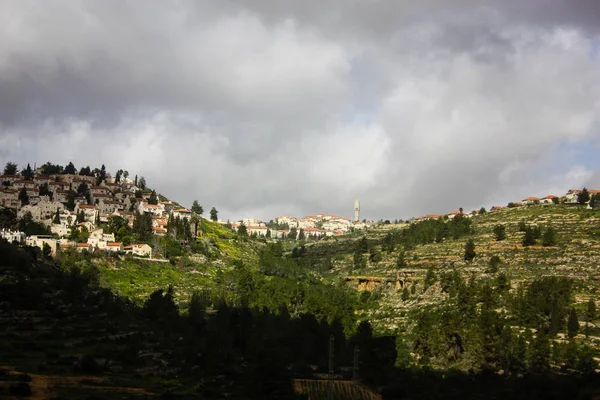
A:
{"x":572,"y":324}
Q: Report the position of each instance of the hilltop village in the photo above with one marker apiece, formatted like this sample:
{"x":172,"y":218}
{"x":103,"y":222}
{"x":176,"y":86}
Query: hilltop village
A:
{"x":76,"y":207}
{"x":91,"y":210}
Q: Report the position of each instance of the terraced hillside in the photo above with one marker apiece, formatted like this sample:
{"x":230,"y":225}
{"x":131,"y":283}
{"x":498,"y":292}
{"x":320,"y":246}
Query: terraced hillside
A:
{"x":575,"y":255}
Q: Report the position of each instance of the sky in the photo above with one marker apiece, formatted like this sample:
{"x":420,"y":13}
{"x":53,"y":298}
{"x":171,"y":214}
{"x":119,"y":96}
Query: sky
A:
{"x":285,"y":107}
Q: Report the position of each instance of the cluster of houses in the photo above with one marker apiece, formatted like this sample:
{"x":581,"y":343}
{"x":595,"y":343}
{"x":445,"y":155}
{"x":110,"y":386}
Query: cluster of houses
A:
{"x":48,"y":198}
{"x":571,"y":197}
{"x":312,"y":226}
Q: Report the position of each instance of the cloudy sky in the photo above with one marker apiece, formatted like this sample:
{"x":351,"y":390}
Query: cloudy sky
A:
{"x":295,"y":107}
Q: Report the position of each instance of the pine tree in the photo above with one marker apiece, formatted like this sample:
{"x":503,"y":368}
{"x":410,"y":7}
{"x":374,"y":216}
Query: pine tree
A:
{"x":27,"y":173}
{"x":197,"y":208}
{"x":10,"y":168}
{"x":572,"y":324}
{"x":583,"y":197}
{"x":401,"y":261}
{"x":469,"y":250}
{"x":153,"y":199}
{"x":214,"y":214}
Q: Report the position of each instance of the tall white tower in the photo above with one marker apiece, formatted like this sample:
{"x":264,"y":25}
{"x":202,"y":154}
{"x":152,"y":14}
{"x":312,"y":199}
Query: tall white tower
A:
{"x":356,"y":210}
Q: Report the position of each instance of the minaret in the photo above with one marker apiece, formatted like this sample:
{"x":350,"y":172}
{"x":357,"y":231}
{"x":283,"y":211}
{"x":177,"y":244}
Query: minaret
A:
{"x":356,"y":210}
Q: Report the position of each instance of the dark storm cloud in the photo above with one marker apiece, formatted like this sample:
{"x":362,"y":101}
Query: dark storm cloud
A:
{"x":280,"y":107}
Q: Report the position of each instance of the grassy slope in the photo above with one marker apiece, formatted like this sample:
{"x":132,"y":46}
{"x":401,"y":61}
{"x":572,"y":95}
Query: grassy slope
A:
{"x":137,"y":278}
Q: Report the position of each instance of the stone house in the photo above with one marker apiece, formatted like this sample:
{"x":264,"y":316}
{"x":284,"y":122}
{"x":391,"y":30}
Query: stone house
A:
{"x":142,"y":250}
{"x":39,"y":240}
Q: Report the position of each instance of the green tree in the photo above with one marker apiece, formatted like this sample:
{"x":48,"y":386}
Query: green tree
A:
{"x":539,"y":353}
{"x":583,"y":197}
{"x":572,"y":324}
{"x":293,"y":233}
{"x":56,"y":219}
{"x":27,"y":173}
{"x":482,"y":210}
{"x":590,"y":314}
{"x":401,"y":260}
{"x":153,"y":199}
{"x":549,"y":238}
{"x":142,"y":183}
{"x":499,"y":232}
{"x":101,"y":175}
{"x":214,"y":214}
{"x":430,"y":278}
{"x":359,"y":260}
{"x":469,"y":250}
{"x":405,"y":294}
{"x":70,"y":169}
{"x":23,"y":197}
{"x":529,"y":238}
{"x":197,"y":208}
{"x":10,"y":168}
{"x":242,"y":230}
{"x":494,"y":264}
{"x":301,"y":235}
{"x":363,"y":245}
{"x":46,"y":250}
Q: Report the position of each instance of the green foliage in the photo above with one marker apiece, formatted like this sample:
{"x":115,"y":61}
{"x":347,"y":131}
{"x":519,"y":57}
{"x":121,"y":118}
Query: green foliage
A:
{"x":23,"y":197}
{"x":529,"y":237}
{"x":549,"y":238}
{"x":197,"y":208}
{"x":499,"y":232}
{"x":56,"y":219}
{"x":214,"y":214}
{"x":572,"y":324}
{"x":46,"y":250}
{"x":494,"y":263}
{"x":405,"y":294}
{"x":482,"y":211}
{"x":430,"y":278}
{"x":583,"y":197}
{"x":27,"y":173}
{"x":374,"y":255}
{"x":401,"y":260}
{"x":142,"y":227}
{"x":242,"y":230}
{"x":10,"y":168}
{"x":30,"y":227}
{"x":545,"y":303}
{"x":51,"y":169}
{"x":469,"y":250}
{"x":70,"y":169}
{"x":153,"y":199}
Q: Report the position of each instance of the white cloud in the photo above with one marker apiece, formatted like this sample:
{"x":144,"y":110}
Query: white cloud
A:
{"x":299,"y":108}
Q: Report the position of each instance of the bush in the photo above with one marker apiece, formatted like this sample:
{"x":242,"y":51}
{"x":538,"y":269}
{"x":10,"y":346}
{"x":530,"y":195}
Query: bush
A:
{"x":499,"y":232}
{"x":494,"y":264}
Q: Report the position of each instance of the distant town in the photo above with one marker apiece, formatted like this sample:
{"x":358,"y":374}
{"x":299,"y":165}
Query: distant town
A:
{"x":68,"y":202}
